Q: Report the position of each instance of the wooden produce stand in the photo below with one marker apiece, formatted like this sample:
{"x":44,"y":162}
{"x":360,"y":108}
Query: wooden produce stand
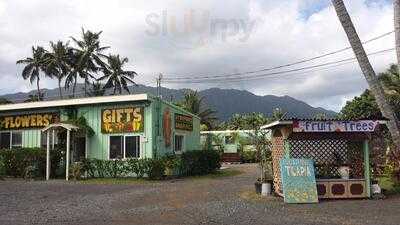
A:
{"x":331,"y":144}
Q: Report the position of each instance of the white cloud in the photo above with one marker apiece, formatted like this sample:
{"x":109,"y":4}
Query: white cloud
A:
{"x":281,"y":34}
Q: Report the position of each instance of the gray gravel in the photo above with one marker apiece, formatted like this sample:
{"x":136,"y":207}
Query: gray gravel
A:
{"x":188,"y":201}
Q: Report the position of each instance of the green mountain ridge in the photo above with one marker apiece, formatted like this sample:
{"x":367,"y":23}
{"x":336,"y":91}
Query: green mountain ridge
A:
{"x":225,"y":101}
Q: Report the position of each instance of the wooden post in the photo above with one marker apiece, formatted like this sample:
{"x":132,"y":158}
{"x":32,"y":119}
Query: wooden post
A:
{"x":367,"y":168}
{"x":48,"y":155}
{"x":67,"y":158}
{"x":53,"y":139}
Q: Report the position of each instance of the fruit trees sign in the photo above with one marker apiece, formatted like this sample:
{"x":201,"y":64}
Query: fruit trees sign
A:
{"x":298,"y":181}
{"x":335,"y":126}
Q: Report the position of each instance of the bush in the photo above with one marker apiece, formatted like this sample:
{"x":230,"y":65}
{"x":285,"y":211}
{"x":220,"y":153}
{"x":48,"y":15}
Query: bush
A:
{"x":76,"y":170}
{"x":188,"y":164}
{"x":248,"y":156}
{"x":156,"y":169}
{"x":16,"y":161}
{"x":199,"y":162}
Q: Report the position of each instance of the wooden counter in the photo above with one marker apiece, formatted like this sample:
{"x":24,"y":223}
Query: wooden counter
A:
{"x":341,"y":188}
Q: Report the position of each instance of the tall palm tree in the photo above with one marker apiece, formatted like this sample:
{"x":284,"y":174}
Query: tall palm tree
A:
{"x":193,"y":103}
{"x":367,"y":70}
{"x":116,"y":76}
{"x":58,"y":61}
{"x":34,"y":66}
{"x":396,"y":9}
{"x":86,"y":59}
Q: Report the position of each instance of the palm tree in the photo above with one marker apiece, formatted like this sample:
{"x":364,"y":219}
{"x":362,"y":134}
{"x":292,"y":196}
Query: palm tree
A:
{"x":86,"y":59}
{"x":4,"y":101}
{"x":116,"y":76}
{"x":193,"y":103}
{"x":58,"y":62}
{"x":396,"y":9}
{"x":34,"y":66}
{"x":97,"y":89}
{"x":35,"y":97}
{"x":367,"y":70}
{"x":390,"y":80}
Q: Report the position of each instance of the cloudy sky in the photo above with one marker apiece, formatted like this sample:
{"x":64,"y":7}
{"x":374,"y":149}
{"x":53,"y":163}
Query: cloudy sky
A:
{"x":206,"y":38}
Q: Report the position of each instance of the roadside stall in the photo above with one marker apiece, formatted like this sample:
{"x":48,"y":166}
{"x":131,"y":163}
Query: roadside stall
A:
{"x":338,"y":149}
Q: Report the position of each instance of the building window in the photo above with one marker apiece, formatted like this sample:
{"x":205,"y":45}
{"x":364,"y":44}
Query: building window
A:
{"x":10,"y":140}
{"x":179,"y":141}
{"x":16,"y":139}
{"x":116,"y":147}
{"x":5,"y":140}
{"x":229,"y":140}
{"x":124,"y":147}
{"x":43,"y":139}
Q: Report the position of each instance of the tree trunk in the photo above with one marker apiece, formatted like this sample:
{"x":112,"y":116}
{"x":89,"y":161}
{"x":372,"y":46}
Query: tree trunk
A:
{"x":59,"y":88}
{"x":367,"y":70}
{"x":74,"y":87}
{"x":38,"y":88}
{"x":86,"y":80}
{"x":396,"y":8}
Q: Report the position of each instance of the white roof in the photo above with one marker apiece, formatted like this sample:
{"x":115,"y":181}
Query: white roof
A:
{"x":64,"y":125}
{"x":224,"y":131}
{"x":76,"y":101}
{"x":279,"y":122}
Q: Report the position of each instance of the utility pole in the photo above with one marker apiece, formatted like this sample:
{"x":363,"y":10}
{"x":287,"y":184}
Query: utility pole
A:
{"x":160,"y":76}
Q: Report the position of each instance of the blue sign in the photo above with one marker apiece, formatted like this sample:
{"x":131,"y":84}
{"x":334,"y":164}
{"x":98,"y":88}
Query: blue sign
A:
{"x":298,"y":181}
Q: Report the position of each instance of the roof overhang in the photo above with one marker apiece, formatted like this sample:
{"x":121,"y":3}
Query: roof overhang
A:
{"x":66,"y":126}
{"x":74,"y":102}
{"x":277,"y":123}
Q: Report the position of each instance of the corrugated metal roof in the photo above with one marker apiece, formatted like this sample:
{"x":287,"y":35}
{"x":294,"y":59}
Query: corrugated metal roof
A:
{"x":73,"y":102}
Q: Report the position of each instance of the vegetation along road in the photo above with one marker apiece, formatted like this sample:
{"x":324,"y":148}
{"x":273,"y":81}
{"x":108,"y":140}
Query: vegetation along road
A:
{"x":217,"y":199}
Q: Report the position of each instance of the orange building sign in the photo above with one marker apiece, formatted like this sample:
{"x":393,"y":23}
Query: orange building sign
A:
{"x":122,"y":120}
{"x":37,"y":120}
{"x":183,"y":122}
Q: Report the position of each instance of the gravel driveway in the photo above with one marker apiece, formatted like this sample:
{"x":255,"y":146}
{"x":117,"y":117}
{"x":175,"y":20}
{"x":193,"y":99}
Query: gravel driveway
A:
{"x":189,"y":201}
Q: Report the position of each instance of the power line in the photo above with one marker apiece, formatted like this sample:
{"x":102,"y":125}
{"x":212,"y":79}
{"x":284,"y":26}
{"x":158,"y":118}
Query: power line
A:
{"x":274,"y":67}
{"x":353,"y":59}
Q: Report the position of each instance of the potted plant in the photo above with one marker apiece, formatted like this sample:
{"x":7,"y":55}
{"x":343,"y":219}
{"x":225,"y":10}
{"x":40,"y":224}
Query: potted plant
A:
{"x":263,"y":185}
{"x":343,"y":167}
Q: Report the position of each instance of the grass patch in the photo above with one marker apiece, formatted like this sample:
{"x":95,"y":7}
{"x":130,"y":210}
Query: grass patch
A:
{"x":132,"y":180}
{"x":127,"y":180}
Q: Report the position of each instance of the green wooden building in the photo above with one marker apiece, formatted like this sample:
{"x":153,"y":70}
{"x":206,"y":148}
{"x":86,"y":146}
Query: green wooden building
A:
{"x":138,"y":126}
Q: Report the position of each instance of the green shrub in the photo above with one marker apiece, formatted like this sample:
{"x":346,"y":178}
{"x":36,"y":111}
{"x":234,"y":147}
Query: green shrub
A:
{"x":199,"y":162}
{"x":100,"y":167}
{"x":15,"y":161}
{"x":114,"y":168}
{"x":188,"y":164}
{"x":88,"y":167}
{"x":76,"y":170}
{"x":248,"y":156}
{"x":156,"y":169}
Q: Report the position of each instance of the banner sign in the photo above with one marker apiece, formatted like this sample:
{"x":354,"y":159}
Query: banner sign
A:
{"x":167,"y":128}
{"x":298,"y":181}
{"x":183,"y":122}
{"x":122,"y":120}
{"x":335,"y":126}
{"x":26,"y":121}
